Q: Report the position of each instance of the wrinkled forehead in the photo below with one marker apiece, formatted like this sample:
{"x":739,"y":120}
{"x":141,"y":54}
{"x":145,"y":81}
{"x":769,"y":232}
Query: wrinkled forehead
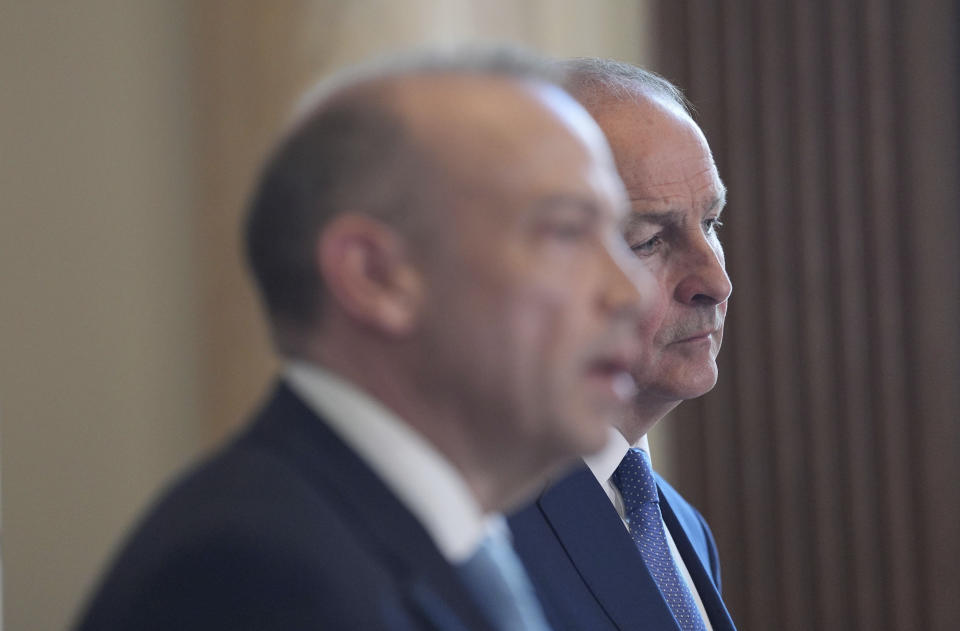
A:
{"x":647,"y":124}
{"x":655,"y":142}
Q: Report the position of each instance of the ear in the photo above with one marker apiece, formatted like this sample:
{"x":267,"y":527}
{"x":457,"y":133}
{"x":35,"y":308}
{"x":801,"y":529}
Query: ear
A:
{"x":368,"y":273}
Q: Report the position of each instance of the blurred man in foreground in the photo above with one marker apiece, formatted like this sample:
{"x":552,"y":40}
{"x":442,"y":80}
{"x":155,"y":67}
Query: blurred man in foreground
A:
{"x":438,"y":246}
{"x":613,"y":546}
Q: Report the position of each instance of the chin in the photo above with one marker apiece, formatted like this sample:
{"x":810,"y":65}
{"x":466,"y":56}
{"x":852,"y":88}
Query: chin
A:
{"x":691,"y":384}
{"x":701,"y":385}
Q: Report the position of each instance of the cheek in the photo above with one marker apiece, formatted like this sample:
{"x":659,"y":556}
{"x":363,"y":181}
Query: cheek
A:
{"x":550,"y":327}
{"x":655,"y":312}
{"x":653,"y":295}
{"x":658,"y":316}
{"x":537,"y":317}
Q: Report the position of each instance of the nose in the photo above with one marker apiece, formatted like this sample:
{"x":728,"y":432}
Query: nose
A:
{"x":705,"y":280}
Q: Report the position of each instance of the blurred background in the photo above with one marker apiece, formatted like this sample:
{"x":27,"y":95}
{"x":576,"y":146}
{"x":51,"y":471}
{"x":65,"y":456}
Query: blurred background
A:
{"x":828,"y":457}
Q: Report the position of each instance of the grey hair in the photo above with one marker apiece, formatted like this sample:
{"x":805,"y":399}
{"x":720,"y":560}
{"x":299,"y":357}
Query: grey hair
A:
{"x":347,"y":148}
{"x":591,"y":80}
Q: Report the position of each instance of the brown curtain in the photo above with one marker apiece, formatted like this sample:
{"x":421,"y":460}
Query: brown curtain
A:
{"x":827,"y":459}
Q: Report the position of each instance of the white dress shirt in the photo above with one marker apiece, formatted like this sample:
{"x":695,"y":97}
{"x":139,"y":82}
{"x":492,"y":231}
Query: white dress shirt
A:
{"x":603,"y":464}
{"x":423,"y":480}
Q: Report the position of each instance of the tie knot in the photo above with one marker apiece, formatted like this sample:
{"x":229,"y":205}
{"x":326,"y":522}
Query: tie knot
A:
{"x":634,"y":479}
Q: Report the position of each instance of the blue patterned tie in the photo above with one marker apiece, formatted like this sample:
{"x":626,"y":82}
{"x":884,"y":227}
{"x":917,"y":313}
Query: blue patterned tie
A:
{"x":499,"y":583}
{"x":634,"y":478}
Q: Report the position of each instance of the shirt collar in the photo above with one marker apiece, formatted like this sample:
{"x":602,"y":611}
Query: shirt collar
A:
{"x":420,"y":476}
{"x":603,"y":463}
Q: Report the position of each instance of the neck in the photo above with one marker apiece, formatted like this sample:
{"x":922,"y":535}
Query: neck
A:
{"x":642,"y":416}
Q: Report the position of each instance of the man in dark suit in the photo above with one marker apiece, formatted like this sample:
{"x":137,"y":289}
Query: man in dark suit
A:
{"x":436,"y":245}
{"x":613,"y":546}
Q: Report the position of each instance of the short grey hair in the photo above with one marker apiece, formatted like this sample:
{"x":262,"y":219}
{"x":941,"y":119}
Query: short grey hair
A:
{"x":347,"y":148}
{"x":592,"y":80}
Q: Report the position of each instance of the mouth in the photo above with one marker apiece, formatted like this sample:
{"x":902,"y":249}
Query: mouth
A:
{"x":697,"y":337}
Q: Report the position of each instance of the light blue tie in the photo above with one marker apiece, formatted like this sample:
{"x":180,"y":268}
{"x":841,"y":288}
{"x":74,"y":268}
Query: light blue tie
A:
{"x":634,"y":478}
{"x":497,"y":580}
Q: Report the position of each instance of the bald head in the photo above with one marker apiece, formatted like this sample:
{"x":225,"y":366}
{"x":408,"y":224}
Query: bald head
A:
{"x":492,"y":136}
{"x":375,"y":140}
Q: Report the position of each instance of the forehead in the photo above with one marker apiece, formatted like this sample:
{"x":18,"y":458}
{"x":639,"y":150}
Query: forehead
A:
{"x":660,"y":152}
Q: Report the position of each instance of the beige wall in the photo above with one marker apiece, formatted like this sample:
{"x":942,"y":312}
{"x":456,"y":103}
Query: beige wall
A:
{"x":98,"y":318}
{"x":128,"y":336}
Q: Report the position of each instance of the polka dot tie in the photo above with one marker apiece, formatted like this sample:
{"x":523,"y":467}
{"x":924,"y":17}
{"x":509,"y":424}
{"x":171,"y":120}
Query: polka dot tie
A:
{"x":634,"y":478}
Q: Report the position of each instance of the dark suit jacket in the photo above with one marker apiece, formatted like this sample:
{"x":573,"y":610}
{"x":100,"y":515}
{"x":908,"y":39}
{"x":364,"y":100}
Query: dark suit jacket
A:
{"x":285,"y":528}
{"x":587,"y":570}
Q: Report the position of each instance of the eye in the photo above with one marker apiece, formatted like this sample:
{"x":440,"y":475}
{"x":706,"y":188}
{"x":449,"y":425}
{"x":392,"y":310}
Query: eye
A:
{"x":647,"y":247}
{"x":712,"y":224}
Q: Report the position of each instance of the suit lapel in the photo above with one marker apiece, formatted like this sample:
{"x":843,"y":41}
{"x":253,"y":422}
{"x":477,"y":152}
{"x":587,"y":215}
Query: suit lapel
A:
{"x":717,"y":612}
{"x":429,"y":582}
{"x":599,"y":546}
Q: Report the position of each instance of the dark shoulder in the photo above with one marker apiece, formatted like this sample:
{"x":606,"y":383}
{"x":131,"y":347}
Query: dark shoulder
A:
{"x":243,"y":538}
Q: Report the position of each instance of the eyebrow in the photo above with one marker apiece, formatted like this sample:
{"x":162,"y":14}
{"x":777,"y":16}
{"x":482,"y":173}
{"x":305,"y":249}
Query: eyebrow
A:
{"x":670,"y":216}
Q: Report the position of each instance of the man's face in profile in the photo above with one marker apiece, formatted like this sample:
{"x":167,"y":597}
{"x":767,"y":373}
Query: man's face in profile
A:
{"x":676,"y":198}
{"x":544,"y":318}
